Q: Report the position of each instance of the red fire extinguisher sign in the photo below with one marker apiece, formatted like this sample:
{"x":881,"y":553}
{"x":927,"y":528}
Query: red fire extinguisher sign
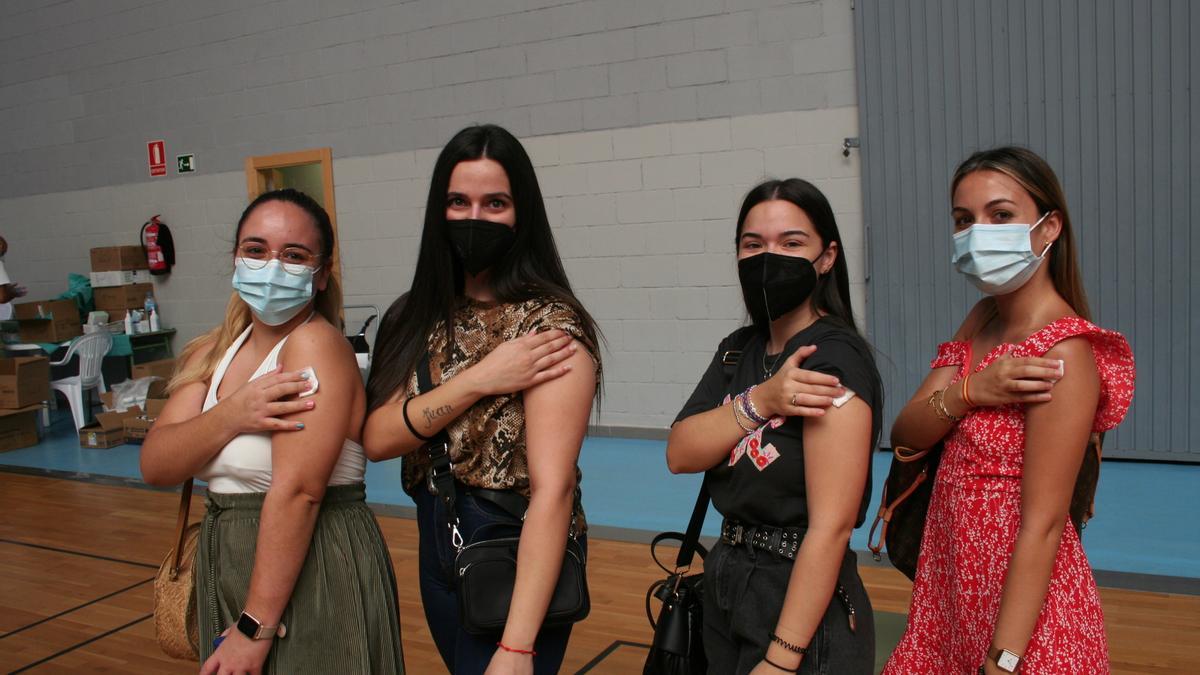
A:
{"x":156,"y":152}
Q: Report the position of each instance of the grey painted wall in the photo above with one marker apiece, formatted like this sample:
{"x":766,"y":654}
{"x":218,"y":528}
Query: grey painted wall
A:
{"x":84,"y":85}
{"x":1107,"y":91}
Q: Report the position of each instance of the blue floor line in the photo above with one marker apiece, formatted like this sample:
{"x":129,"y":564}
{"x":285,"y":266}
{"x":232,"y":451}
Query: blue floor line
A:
{"x":1143,"y":518}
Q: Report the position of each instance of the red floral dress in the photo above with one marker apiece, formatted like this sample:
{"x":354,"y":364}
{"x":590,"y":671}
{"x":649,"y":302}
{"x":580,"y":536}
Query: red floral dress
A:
{"x":972,"y":525}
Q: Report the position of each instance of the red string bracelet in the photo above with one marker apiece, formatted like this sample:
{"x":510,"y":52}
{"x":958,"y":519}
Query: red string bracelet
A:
{"x":527,"y":652}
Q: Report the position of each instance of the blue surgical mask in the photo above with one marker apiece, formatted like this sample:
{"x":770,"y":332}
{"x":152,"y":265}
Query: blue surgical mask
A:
{"x":998,"y":259}
{"x":275,"y":292}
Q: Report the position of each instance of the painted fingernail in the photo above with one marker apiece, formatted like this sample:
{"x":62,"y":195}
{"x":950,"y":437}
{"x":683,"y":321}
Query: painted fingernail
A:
{"x":299,"y":425}
{"x":310,"y":404}
{"x":304,"y":375}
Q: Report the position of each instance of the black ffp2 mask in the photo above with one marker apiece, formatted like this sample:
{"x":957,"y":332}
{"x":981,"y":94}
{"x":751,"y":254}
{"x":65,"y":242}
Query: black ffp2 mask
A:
{"x":774,"y":284}
{"x":479,"y":244}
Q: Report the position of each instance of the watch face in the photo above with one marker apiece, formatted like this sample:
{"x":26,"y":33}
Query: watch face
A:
{"x":247,"y":626}
{"x":1008,"y":661}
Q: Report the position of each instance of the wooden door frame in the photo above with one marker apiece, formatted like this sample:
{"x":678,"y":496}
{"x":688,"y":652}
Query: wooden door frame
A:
{"x":256,"y":185}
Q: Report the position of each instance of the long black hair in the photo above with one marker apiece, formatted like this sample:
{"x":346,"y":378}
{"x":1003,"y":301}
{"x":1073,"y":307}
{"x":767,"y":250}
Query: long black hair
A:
{"x":531,"y":269}
{"x":831,"y":296}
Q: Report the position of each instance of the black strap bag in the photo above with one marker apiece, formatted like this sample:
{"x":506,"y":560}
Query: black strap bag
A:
{"x":678,"y":646}
{"x":485,"y":571}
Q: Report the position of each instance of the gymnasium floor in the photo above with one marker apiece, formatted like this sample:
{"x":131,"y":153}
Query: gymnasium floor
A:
{"x":80,"y":539}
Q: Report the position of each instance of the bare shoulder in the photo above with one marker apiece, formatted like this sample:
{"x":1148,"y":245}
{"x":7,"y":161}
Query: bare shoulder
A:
{"x":203,"y":347}
{"x":319,"y":338}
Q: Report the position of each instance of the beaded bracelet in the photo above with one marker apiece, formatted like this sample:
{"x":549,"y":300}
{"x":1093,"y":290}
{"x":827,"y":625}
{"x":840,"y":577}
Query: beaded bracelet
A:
{"x":750,"y":410}
{"x":737,"y":417}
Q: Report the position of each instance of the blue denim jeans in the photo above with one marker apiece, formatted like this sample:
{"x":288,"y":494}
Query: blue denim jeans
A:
{"x":743,"y":595}
{"x":462,"y":652}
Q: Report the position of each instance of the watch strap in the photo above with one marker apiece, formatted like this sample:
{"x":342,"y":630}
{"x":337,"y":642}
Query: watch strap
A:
{"x":254,"y":629}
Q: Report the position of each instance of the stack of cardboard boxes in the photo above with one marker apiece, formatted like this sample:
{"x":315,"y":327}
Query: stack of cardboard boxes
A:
{"x":24,"y":384}
{"x":113,"y":428}
{"x":120,"y":279}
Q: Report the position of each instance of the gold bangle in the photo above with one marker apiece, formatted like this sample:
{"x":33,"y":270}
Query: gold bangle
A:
{"x":938,"y":402}
{"x":966,"y":396}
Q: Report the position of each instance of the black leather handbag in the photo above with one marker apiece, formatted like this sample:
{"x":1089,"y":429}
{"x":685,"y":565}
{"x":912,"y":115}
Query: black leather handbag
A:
{"x":485,"y":571}
{"x":678,"y":645}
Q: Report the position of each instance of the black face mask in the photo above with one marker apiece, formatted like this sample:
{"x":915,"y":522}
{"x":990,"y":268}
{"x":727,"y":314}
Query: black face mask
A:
{"x":479,"y":244}
{"x":774,"y":284}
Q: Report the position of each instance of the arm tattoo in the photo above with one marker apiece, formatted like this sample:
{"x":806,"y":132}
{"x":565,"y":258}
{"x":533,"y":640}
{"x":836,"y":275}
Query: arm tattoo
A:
{"x":432,"y":414}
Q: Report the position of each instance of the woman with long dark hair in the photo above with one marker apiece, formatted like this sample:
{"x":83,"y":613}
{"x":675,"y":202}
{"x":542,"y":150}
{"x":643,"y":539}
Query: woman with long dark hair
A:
{"x":786,"y":449}
{"x":1002,"y":582}
{"x":292,"y":574}
{"x":492,"y":322}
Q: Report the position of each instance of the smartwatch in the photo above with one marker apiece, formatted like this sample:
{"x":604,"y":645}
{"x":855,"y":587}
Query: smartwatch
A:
{"x":1005,"y":660}
{"x":255,"y":630}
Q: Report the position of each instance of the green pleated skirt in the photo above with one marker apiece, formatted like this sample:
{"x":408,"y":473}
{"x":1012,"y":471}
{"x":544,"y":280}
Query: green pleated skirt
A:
{"x":342,"y":616}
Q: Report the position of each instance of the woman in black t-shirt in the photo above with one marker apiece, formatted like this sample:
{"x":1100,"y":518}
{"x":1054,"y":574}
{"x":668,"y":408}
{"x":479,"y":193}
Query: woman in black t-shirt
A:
{"x":787,"y":450}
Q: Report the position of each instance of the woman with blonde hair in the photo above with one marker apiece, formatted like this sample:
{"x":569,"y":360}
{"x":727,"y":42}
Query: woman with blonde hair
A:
{"x":292,"y":571}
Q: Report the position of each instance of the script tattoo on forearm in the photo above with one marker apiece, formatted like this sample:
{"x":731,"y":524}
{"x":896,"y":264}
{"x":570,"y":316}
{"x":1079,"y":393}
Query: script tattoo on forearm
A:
{"x":432,"y":414}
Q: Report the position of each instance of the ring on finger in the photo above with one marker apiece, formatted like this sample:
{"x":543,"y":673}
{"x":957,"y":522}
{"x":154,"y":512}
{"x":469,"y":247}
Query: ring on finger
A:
{"x":794,"y":400}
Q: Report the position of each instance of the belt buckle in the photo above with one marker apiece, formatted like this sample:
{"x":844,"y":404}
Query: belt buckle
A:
{"x":739,"y":534}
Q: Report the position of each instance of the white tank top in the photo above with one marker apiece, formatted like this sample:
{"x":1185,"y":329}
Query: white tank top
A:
{"x":244,"y":464}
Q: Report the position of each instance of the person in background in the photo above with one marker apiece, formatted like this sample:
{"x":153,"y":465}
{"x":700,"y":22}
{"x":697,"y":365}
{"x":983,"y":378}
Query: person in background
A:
{"x":9,"y":291}
{"x":515,"y":364}
{"x":786,"y":443}
{"x":1002,"y":582}
{"x":292,"y":574}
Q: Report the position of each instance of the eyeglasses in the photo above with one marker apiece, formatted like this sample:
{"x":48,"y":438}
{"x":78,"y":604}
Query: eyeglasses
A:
{"x":256,"y":256}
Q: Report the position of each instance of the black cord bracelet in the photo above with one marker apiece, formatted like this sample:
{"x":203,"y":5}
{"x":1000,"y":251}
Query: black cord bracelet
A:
{"x":409,"y":424}
{"x":771,"y":663}
{"x":795,"y":649}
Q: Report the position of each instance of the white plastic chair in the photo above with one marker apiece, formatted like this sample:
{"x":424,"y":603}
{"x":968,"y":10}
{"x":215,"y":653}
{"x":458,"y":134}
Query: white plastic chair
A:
{"x":91,"y":349}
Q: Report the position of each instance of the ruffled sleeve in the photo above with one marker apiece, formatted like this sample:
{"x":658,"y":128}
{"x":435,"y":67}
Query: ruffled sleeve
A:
{"x":1114,"y":363}
{"x":950,"y":354}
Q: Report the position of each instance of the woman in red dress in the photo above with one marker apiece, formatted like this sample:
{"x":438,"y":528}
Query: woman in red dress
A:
{"x":1002,"y":582}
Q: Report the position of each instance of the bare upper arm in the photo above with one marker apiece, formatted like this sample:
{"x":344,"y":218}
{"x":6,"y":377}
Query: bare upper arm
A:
{"x":1057,"y":431}
{"x":305,"y":458}
{"x":556,"y":416}
{"x":837,"y":456}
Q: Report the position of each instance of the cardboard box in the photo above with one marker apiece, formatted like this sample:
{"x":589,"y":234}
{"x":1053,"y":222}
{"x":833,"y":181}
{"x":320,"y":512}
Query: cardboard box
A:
{"x":136,"y":428}
{"x":24,"y":381}
{"x":164,"y":369}
{"x":157,"y":390}
{"x":47,"y":320}
{"x":115,"y":258}
{"x":18,"y":428}
{"x":120,"y":278}
{"x":108,"y":430}
{"x":131,"y":296}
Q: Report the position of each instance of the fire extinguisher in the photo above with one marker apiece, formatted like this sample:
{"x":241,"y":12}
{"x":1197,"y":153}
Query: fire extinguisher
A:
{"x":158,"y":245}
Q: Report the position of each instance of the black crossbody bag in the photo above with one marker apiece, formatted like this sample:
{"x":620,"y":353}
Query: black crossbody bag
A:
{"x":485,"y":571}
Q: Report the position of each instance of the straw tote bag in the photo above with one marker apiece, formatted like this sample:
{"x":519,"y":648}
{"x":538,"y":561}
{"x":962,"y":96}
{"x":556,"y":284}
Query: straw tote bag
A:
{"x":175,"y":614}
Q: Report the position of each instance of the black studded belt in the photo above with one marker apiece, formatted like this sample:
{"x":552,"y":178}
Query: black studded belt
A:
{"x":782,"y":541}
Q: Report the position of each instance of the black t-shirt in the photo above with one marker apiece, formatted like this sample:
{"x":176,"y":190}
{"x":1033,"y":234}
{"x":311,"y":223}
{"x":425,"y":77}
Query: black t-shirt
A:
{"x":765,"y":484}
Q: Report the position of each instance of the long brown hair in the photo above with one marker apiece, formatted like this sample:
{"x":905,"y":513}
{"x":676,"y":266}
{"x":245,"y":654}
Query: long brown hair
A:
{"x":1039,"y":180}
{"x":328,"y":302}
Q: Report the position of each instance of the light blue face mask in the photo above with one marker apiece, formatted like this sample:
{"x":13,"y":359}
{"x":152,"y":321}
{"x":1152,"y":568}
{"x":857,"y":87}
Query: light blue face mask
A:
{"x":998,"y":259}
{"x":275,"y":292}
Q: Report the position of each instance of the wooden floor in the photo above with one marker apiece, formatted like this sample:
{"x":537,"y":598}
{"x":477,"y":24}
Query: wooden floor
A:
{"x":77,"y":560}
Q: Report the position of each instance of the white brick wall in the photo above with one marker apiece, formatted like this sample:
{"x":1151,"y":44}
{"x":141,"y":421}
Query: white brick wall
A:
{"x":643,"y":217}
{"x":84,"y":85}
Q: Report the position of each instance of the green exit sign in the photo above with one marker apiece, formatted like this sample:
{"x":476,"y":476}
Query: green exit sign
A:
{"x":185,"y":163}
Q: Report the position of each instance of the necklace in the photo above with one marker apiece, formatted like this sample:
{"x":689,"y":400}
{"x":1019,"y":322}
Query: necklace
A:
{"x":768,"y":370}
